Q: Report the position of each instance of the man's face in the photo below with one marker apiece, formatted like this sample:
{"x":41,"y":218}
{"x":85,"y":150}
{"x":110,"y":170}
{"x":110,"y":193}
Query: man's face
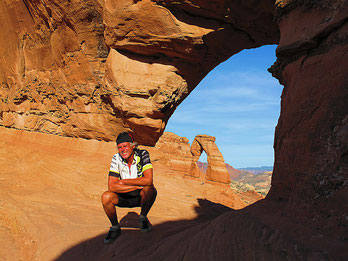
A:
{"x":125,"y":149}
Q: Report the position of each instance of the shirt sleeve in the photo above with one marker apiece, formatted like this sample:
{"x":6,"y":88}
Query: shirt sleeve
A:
{"x":114,"y":170}
{"x":145,"y":156}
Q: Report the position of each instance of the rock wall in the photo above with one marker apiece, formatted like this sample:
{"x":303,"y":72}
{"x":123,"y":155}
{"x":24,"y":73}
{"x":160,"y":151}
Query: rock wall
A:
{"x":311,"y":140}
{"x":52,"y":69}
{"x":92,"y":68}
{"x":171,"y":155}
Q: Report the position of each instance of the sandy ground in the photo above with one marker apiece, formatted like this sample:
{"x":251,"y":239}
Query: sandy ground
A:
{"x":50,"y":206}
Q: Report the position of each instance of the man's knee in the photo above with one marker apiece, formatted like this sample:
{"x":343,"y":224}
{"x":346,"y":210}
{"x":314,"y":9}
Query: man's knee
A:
{"x":148,"y":192}
{"x":109,"y":197}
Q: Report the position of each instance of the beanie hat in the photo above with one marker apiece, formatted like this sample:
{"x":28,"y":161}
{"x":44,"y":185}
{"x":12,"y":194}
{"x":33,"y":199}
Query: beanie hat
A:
{"x":124,"y":137}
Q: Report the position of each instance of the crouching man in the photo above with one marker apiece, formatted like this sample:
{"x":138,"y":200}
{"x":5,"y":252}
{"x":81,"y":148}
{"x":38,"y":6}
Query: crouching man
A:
{"x":130,"y":185}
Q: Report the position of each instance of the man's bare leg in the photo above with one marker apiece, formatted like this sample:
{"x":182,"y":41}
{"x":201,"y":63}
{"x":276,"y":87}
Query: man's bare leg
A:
{"x":109,"y":201}
{"x":148,"y":195}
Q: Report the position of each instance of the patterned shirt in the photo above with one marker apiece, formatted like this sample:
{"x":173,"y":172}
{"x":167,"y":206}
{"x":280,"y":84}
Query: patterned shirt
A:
{"x":141,"y":162}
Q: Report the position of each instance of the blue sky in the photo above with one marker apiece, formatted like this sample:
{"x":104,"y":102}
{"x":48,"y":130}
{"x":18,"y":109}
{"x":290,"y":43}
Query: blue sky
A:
{"x":239,"y":103}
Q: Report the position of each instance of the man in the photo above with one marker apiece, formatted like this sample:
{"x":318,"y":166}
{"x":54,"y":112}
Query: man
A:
{"x":130,"y":184}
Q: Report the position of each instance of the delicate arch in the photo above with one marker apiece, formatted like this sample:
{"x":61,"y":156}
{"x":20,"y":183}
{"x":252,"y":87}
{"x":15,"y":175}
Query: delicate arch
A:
{"x":216,"y":171}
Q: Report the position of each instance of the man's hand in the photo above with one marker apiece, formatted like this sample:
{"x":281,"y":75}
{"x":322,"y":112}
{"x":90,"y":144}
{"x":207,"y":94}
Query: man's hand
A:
{"x":126,"y":185}
{"x":145,"y":180}
{"x":116,"y":185}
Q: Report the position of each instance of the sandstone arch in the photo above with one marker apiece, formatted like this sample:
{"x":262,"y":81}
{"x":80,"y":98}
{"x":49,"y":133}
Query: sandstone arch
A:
{"x":93,"y":68}
{"x":61,"y":73}
{"x":216,"y":171}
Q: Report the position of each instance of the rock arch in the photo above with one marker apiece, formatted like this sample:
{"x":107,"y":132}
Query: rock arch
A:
{"x":216,"y":170}
{"x":93,"y":68}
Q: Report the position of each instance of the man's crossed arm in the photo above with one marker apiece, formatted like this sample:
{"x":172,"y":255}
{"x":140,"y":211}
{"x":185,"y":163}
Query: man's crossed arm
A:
{"x":126,"y":185}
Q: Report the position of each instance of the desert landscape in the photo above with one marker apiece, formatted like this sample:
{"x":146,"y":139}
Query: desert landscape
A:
{"x":75,"y":73}
{"x":50,"y":199}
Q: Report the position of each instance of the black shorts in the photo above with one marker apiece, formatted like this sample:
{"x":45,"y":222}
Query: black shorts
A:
{"x":129,"y":200}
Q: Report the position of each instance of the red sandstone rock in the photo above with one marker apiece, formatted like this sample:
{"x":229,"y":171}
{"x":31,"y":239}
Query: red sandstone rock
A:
{"x":216,"y":170}
{"x":171,"y":155}
{"x":53,"y":68}
{"x":91,"y":69}
{"x":57,"y":73}
{"x":311,"y":140}
{"x":176,"y":157}
{"x":51,"y":185}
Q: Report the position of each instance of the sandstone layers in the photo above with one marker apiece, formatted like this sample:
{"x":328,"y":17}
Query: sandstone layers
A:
{"x":311,"y":139}
{"x":91,"y":68}
{"x":175,"y":157}
{"x":171,"y":155}
{"x":216,"y":170}
{"x":50,"y":200}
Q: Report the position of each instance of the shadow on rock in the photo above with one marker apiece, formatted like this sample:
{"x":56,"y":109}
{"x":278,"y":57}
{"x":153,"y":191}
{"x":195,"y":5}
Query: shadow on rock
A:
{"x":131,"y":220}
{"x":133,"y":241}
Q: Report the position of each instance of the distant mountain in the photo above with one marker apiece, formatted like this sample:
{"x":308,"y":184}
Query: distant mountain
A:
{"x":202,"y":166}
{"x":261,"y":181}
{"x":234,"y":173}
{"x":257,"y":170}
{"x":244,"y":179}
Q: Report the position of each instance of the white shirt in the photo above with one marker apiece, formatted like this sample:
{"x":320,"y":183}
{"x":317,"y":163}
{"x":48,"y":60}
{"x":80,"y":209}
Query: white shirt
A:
{"x":119,"y":166}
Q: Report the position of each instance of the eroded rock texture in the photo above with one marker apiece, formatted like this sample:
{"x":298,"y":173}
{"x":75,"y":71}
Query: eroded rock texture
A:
{"x":311,"y":141}
{"x":171,"y":155}
{"x":216,"y":171}
{"x":52,"y":68}
{"x":177,"y":157}
{"x":93,"y":68}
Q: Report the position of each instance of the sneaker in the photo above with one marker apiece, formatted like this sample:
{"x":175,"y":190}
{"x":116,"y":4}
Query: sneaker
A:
{"x":112,"y":235}
{"x":144,"y":224}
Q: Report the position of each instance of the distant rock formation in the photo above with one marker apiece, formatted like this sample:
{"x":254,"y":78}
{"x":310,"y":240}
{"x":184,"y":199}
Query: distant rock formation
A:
{"x":216,"y":170}
{"x":243,"y":180}
{"x":234,"y":173}
{"x":172,"y":152}
{"x":178,"y":158}
{"x":90,"y":69}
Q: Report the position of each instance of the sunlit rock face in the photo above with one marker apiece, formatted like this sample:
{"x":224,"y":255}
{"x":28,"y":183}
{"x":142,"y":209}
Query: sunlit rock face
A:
{"x":90,"y":69}
{"x":177,"y":157}
{"x":216,"y":171}
{"x":171,"y":155}
{"x":52,"y":70}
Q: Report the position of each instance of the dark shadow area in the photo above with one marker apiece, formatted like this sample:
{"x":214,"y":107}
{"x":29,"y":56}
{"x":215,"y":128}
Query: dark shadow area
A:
{"x":130,"y":220}
{"x":133,"y":241}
